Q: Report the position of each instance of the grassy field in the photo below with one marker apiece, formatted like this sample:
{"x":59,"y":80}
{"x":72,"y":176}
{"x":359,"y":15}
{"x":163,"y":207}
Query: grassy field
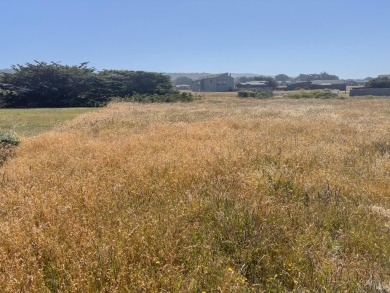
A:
{"x":27,"y":122}
{"x":219,"y":195}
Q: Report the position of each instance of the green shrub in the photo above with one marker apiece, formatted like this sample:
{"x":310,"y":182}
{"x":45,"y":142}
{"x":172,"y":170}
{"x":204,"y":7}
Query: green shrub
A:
{"x":380,"y":82}
{"x":7,"y":143}
{"x":263,"y":94}
{"x":319,"y":94}
{"x":8,"y":139}
{"x":166,"y":98}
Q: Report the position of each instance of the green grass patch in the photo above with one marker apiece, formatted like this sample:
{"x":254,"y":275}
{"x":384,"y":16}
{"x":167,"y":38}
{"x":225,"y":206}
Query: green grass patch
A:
{"x":29,"y":122}
{"x":320,"y":94}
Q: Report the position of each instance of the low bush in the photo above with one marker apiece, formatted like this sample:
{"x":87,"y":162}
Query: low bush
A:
{"x":320,"y":94}
{"x":167,"y":98}
{"x":380,"y":82}
{"x":7,"y":143}
{"x":256,"y":94}
{"x":9,"y":139}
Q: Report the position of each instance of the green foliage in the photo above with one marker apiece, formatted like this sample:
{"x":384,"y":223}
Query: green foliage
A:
{"x":8,"y":138}
{"x":31,"y":122}
{"x":183,"y":80}
{"x":313,"y":95}
{"x":166,"y":98}
{"x":317,"y":76}
{"x":122,"y":83}
{"x":55,"y":85}
{"x":282,"y":77}
{"x":380,"y":82}
{"x":302,"y":88}
{"x":7,"y":142}
{"x":51,"y":85}
{"x":371,"y":97}
{"x":6,"y":70}
{"x":263,"y":94}
{"x":4,"y":93}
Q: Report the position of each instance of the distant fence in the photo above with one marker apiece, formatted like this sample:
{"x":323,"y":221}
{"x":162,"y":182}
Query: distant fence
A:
{"x":370,"y":92}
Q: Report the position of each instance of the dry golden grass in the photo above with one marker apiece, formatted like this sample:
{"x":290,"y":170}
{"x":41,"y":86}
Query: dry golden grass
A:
{"x":219,"y":195}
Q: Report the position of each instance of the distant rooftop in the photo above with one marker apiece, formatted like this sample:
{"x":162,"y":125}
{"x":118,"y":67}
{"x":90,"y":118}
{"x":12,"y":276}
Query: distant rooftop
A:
{"x":254,"y":83}
{"x":213,"y":76}
{"x":328,"y":82}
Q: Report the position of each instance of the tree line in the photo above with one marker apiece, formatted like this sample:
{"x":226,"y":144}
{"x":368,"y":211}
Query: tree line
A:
{"x":42,"y":84}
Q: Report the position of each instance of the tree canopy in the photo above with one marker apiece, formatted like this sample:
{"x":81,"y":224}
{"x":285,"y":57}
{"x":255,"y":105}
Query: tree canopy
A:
{"x":380,"y":82}
{"x":317,"y":76}
{"x":44,"y":84}
{"x":282,"y":77}
{"x":183,"y":80}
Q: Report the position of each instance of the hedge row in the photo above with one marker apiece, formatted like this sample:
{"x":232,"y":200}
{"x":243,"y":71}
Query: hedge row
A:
{"x":256,"y":94}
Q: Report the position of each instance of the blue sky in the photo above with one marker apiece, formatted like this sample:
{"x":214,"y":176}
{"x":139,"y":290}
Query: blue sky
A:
{"x":350,"y":38}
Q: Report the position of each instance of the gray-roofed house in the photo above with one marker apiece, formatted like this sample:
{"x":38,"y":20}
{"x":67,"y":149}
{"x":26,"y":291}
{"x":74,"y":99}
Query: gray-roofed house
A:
{"x":214,"y":83}
{"x":298,"y":85}
{"x":252,"y":85}
{"x":328,"y":84}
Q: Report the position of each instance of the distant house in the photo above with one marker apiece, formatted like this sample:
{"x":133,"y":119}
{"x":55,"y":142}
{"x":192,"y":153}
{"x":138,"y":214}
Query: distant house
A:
{"x":283,"y":83}
{"x":252,"y":85}
{"x":384,"y":76}
{"x":357,"y":82}
{"x":318,"y":84}
{"x":214,"y":83}
{"x":183,"y":87}
{"x":328,"y":84}
{"x":298,"y":85}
